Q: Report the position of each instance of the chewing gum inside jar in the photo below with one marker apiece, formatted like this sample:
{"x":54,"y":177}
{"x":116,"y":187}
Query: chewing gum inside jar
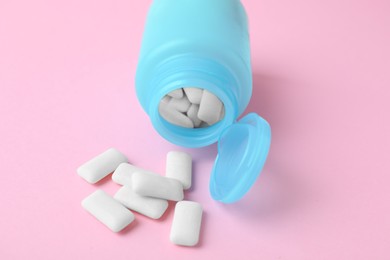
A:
{"x":191,"y":108}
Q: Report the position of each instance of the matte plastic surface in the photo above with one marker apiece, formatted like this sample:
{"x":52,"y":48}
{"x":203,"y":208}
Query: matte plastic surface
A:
{"x":195,"y":43}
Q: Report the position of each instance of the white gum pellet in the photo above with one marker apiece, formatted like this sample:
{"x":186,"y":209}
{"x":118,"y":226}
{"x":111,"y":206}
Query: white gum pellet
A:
{"x":197,"y":106}
{"x":186,"y":223}
{"x":180,"y":104}
{"x":166,"y":99}
{"x":192,"y":113}
{"x":100,"y":166}
{"x":177,"y":93}
{"x":157,"y":186}
{"x":148,"y":206}
{"x":174,"y":117}
{"x":194,"y":94}
{"x":122,"y":175}
{"x":209,"y":108}
{"x":107,"y":210}
{"x":179,"y":167}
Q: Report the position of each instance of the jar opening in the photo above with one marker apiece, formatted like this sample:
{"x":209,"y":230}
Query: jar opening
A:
{"x":185,"y":71}
{"x":181,"y":130}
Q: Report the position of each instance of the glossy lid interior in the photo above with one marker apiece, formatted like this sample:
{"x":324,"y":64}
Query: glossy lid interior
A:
{"x":242,"y":151}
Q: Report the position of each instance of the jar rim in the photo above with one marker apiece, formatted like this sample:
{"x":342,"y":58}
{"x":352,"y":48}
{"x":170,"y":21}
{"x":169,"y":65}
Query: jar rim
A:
{"x":191,"y":137}
{"x":192,"y":71}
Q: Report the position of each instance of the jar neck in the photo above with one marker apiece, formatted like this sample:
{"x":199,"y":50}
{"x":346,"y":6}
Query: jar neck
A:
{"x":184,"y":71}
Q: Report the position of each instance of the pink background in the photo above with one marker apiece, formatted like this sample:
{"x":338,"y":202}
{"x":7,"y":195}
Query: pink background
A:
{"x":321,"y":78}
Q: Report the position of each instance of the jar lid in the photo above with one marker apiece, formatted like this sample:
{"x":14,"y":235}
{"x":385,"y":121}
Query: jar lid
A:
{"x":242,"y":151}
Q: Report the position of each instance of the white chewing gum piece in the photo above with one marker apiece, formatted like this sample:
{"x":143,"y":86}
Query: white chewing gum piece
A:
{"x":175,"y":117}
{"x":166,"y":99}
{"x":107,"y":210}
{"x":100,"y":166}
{"x":148,"y":206}
{"x":209,"y":108}
{"x":179,"y":167}
{"x":186,"y":223}
{"x":177,"y":93}
{"x":157,"y":186}
{"x":179,"y":104}
{"x":192,"y":113}
{"x":122,"y":174}
{"x":194,"y":94}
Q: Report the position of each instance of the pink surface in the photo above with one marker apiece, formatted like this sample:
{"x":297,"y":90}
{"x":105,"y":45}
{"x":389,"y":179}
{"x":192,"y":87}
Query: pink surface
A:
{"x":321,"y":78}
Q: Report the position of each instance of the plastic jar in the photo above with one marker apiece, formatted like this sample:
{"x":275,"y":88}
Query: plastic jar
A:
{"x":205,"y":44}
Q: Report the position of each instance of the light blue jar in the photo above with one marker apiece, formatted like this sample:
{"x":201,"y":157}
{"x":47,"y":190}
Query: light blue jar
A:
{"x":205,"y":44}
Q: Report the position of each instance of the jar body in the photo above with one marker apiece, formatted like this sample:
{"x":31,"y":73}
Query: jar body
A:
{"x":195,"y":43}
